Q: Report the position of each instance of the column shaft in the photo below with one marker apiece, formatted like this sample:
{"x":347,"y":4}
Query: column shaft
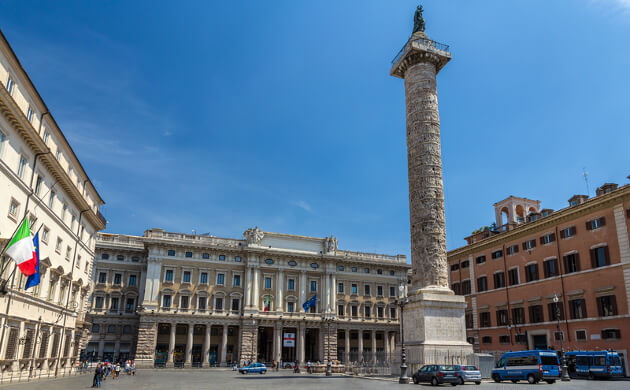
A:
{"x":206,"y":347}
{"x":279,"y":292}
{"x":346,"y":359}
{"x":373,"y":346}
{"x":171,"y":344}
{"x":224,"y":345}
{"x":248,"y":288}
{"x":189,"y":343}
{"x":360,"y":345}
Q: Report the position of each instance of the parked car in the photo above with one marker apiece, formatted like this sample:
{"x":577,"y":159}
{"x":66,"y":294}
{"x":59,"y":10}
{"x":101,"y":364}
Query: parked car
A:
{"x":468,"y":374}
{"x":594,"y":364}
{"x":532,"y":366}
{"x":436,"y":374}
{"x":253,"y":368}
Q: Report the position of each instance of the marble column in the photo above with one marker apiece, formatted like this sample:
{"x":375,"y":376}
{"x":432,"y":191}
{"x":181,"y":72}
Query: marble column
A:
{"x":171,"y":344}
{"x":116,"y":349}
{"x":301,"y":350}
{"x":333,"y":294}
{"x":248,"y":288}
{"x":101,"y":346}
{"x":347,"y":340}
{"x":278,"y":342}
{"x":279,"y":292}
{"x":302,"y":289}
{"x":373,"y":346}
{"x":205,"y":350}
{"x":386,"y":353}
{"x":224,"y":341}
{"x":360,"y":345}
{"x":189,"y":344}
{"x":255,"y":293}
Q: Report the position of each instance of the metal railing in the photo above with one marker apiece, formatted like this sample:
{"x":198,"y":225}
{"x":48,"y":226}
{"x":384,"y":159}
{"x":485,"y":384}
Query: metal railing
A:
{"x":426,"y":42}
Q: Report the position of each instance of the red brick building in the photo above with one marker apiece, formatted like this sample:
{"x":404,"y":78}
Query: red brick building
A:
{"x":537,"y":266}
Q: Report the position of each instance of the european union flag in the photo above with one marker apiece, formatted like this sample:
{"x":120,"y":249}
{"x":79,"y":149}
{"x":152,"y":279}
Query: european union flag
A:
{"x":311,"y":302}
{"x":33,"y":280}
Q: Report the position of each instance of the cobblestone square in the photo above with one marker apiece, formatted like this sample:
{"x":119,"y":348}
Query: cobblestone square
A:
{"x":285,"y":379}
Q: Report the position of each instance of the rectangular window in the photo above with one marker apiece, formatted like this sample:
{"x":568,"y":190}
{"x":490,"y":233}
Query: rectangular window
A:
{"x":203,"y":278}
{"x":188,"y":254}
{"x":171,"y":252}
{"x":600,"y":257}
{"x":114,"y":304}
{"x":578,"y":308}
{"x":201,"y":303}
{"x":611,"y":334}
{"x":484,"y":320}
{"x":392,"y":313}
{"x":186,"y":277}
{"x":10,"y":85}
{"x":354,"y":289}
{"x":379,"y":312}
{"x":571,"y":263}
{"x":518,"y":315}
{"x":38,"y":184}
{"x":45,"y":136}
{"x":45,"y":233}
{"x":340,"y":287}
{"x":595,"y":223}
{"x":68,"y":252}
{"x":58,"y":246}
{"x":51,"y":199}
{"x":556,"y":311}
{"x":465,"y":264}
{"x":482,"y":284}
{"x":2,"y":139}
{"x":511,"y":250}
{"x":340,"y":310}
{"x":529,"y":245}
{"x":480,"y":259}
{"x":29,"y":114}
{"x":168,"y":275}
{"x":236,"y":281}
{"x":166,"y":301}
{"x":505,"y":339}
{"x":291,"y":284}
{"x":21,"y":166}
{"x":469,"y":320}
{"x":132,"y":280}
{"x":14,"y":207}
{"x":291,"y":307}
{"x":102,"y":277}
{"x":502,"y":317}
{"x":392,"y":291}
{"x":236,"y":304}
{"x":117,"y":279}
{"x":466,"y":287}
{"x":205,"y":256}
{"x":355,"y":310}
{"x":183,"y":302}
{"x":568,"y":232}
{"x":536,"y":314}
{"x":550,"y":268}
{"x":513,"y":276}
{"x":130,"y":305}
{"x":313,"y":286}
{"x":366,"y":289}
{"x":454,"y":267}
{"x":268,"y":283}
{"x":456,"y":289}
{"x":497,"y":254}
{"x":218,"y":304}
{"x":580,"y":335}
{"x":607,"y":306}
{"x":547,"y":238}
{"x":379,"y":291}
{"x":220,"y":279}
{"x":368,"y":311}
{"x":531,"y":272}
{"x":222,"y":257}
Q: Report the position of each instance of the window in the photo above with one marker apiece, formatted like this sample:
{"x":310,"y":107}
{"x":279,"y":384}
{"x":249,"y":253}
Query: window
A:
{"x":480,"y":259}
{"x":236,"y":281}
{"x":269,"y":261}
{"x":611,"y":334}
{"x":368,"y":311}
{"x":513,"y":276}
{"x":21,"y":166}
{"x":135,"y":259}
{"x":379,"y":312}
{"x":184,"y":301}
{"x":132,"y":280}
{"x":482,"y":284}
{"x":51,"y":199}
{"x":166,"y":301}
{"x":505,"y":339}
{"x":236,"y":304}
{"x":392,"y":291}
{"x":456,"y":289}
{"x":553,"y":308}
{"x":366,"y":290}
{"x":529,"y":245}
{"x":511,"y":250}
{"x":497,"y":254}
{"x":379,"y":291}
{"x":547,"y":238}
{"x":218,"y":304}
{"x":117,"y":279}
{"x":536,"y":314}
{"x":580,"y":335}
{"x":340,"y":310}
{"x":520,"y":338}
{"x":237,"y":259}
{"x":469,"y":320}
{"x":571,"y":263}
{"x":222,"y":257}
{"x":291,"y":307}
{"x":518,"y":315}
{"x":366,"y":270}
{"x":354,"y":310}
{"x":102,"y":277}
{"x":313,"y":286}
{"x":466,"y":287}
{"x":454,"y":267}
{"x":14,"y":207}
{"x":577,"y":308}
{"x":98,"y":304}
{"x":10,"y":85}
{"x":354,"y":269}
{"x":68,"y":252}
{"x":392,"y":313}
{"x":484,"y":319}
{"x":354,"y":289}
{"x":205,"y":256}
{"x":292,"y":263}
{"x":465,"y":264}
{"x":113,"y":304}
{"x":600,"y":257}
{"x":379,"y":271}
{"x":291,"y":284}
{"x":58,"y":154}
{"x":64,"y":210}
{"x":188,"y":254}
{"x":607,"y":306}
{"x":168,"y":275}
{"x":550,"y":268}
{"x":38,"y":184}
{"x":120,"y":258}
{"x":392,"y":272}
{"x":2,"y":139}
{"x":45,"y":136}
{"x":502,"y":317}
{"x":171,"y":252}
{"x":486,"y":339}
{"x":96,"y":328}
{"x":220,"y":279}
{"x":567,"y":232}
{"x":268,"y":283}
{"x":313,"y":309}
{"x":186,"y":277}
{"x":531,"y":272}
{"x":45,"y":233}
{"x":593,"y":224}
{"x":340,"y":287}
{"x":58,"y":246}
{"x":29,"y":114}
{"x":340,"y":268}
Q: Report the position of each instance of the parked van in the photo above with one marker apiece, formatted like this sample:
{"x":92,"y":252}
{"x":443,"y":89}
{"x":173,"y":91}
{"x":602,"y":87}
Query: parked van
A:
{"x":532,"y":366}
{"x":594,"y":364}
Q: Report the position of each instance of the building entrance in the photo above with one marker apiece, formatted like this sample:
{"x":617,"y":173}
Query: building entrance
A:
{"x":539,"y":341}
{"x":289,"y":352}
{"x":311,"y":345}
{"x":265,"y":344}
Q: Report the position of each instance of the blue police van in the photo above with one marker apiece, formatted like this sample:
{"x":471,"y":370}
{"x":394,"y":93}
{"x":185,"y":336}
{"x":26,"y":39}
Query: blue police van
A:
{"x":532,"y":366}
{"x":594,"y":364}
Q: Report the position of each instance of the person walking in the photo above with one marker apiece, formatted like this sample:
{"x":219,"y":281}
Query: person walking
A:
{"x":117,"y":370}
{"x":98,"y":376}
{"x":133,"y":368}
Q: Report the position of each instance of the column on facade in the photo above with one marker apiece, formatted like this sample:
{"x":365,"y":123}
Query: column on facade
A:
{"x":224,"y":344}
{"x":189,"y":342}
{"x":386,"y":346}
{"x":116,"y":348}
{"x":373,"y":346}
{"x":248,"y":288}
{"x":302,"y":287}
{"x":255,"y":293}
{"x":171,"y":343}
{"x":101,"y":346}
{"x":277,"y":342}
{"x":333,"y":294}
{"x":279,"y":291}
{"x":326,"y":294}
{"x":360,"y":345}
{"x":346,"y":359}
{"x":392,"y":343}
{"x":301,"y":353}
{"x":206,"y":346}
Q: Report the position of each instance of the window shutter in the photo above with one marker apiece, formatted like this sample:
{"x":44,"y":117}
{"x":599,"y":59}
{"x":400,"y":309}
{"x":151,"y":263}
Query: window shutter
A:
{"x":602,"y":221}
{"x":573,"y":230}
{"x":628,"y":213}
{"x":542,"y":240}
{"x":515,"y":248}
{"x":550,"y":306}
{"x":593,"y":258}
{"x":600,"y":309}
{"x":588,"y":225}
{"x":562,"y":233}
{"x":553,"y":237}
{"x":524,"y":245}
{"x":613,"y":303}
{"x":533,"y":243}
{"x":577,"y":262}
{"x":565,"y":263}
{"x":584,"y":311}
{"x":606,"y":256}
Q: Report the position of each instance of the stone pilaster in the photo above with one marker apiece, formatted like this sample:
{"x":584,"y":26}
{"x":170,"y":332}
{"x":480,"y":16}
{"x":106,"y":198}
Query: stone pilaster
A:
{"x":330,"y":341}
{"x":249,"y":341}
{"x":145,"y":350}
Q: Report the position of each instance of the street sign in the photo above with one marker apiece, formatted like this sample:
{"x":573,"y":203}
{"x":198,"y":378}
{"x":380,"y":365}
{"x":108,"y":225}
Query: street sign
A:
{"x":289,"y":340}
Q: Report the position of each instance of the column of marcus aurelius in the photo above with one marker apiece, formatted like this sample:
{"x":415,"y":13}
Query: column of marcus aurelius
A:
{"x":434,"y":325}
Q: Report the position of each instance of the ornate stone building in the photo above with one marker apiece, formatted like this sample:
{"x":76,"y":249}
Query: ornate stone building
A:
{"x":197,"y":300}
{"x":42,"y":328}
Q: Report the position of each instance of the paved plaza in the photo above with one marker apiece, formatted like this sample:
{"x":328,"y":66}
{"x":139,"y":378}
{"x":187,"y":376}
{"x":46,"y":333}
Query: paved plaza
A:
{"x":226,"y":379}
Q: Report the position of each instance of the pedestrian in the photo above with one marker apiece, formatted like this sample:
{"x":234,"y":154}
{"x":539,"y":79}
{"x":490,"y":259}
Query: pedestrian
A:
{"x":117,"y":370}
{"x":98,"y":376}
{"x":296,"y":367}
{"x":127,"y":367}
{"x":133,"y":368}
{"x":308,"y":367}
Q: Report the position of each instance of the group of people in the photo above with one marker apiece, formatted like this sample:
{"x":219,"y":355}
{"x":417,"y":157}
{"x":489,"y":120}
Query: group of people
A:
{"x":103,"y":370}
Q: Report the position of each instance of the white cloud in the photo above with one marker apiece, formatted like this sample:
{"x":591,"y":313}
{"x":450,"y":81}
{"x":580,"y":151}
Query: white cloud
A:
{"x":303,"y":205}
{"x":613,"y":5}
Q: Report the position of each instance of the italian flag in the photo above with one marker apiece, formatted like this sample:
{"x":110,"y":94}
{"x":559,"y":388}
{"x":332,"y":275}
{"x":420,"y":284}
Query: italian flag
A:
{"x":267,"y":303}
{"x":22,"y":250}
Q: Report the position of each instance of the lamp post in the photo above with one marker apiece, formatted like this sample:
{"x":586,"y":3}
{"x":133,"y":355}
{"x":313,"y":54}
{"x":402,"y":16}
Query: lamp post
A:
{"x":329,"y":363}
{"x":404,"y":379}
{"x":565,"y":369}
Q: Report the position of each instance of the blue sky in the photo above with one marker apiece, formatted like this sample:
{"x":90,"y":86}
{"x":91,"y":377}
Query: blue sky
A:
{"x":219,"y":116}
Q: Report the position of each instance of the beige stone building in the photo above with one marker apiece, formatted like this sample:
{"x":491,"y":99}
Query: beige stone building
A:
{"x":42,"y":328}
{"x":197,"y":300}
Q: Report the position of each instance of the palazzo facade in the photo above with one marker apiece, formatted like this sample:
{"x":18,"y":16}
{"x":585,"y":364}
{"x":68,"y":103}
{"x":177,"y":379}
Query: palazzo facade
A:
{"x":173,"y":299}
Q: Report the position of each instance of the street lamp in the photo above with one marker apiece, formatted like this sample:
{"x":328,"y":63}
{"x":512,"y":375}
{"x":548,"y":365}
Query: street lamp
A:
{"x":565,"y":369}
{"x":404,"y":379}
{"x":329,"y":364}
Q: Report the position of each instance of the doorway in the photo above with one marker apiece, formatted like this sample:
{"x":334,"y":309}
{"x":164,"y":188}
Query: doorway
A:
{"x":311,"y":345}
{"x":539,"y":341}
{"x":265,"y":344}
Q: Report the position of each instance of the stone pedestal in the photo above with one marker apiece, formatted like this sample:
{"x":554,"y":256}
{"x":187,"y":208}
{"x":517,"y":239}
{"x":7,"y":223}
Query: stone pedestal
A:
{"x":145,"y":349}
{"x":249,"y":342}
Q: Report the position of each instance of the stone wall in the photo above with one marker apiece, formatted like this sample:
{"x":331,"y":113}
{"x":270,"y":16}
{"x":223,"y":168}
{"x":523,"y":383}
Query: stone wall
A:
{"x":145,"y":349}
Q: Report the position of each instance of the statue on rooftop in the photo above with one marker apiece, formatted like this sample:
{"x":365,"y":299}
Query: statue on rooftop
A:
{"x":418,"y":20}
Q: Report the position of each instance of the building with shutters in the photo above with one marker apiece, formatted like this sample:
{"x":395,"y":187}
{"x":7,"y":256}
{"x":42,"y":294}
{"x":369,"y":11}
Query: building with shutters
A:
{"x":42,"y":329}
{"x":173,"y":299}
{"x":535,"y":266}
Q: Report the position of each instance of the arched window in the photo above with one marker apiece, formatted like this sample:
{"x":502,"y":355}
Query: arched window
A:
{"x":96,"y":328}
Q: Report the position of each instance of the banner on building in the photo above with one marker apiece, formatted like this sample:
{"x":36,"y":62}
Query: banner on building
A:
{"x":289,"y":340}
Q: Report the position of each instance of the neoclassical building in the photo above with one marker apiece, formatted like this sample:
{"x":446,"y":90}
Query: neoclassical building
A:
{"x":198,"y":300}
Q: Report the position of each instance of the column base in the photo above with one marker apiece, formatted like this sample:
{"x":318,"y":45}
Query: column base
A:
{"x":144,"y":363}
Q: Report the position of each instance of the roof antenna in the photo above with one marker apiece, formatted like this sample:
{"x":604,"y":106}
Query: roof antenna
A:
{"x":585,"y":174}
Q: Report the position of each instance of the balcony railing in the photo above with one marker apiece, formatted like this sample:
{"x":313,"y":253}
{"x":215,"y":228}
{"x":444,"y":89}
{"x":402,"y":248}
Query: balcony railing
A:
{"x":425,"y":42}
